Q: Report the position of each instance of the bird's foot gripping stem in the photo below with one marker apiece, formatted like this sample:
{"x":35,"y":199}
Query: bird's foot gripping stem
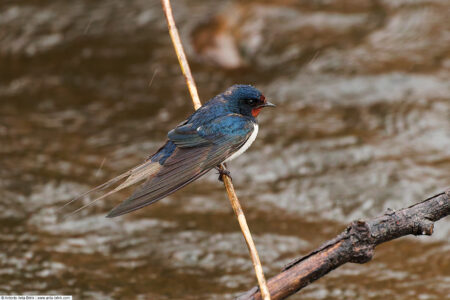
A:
{"x":223,"y":172}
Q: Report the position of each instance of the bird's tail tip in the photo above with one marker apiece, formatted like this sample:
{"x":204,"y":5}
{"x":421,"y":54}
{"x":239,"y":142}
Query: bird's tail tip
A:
{"x":130,"y":177}
{"x":112,"y":214}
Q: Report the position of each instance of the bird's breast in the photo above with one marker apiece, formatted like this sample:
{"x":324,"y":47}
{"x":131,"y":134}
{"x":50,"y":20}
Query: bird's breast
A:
{"x":246,"y":145}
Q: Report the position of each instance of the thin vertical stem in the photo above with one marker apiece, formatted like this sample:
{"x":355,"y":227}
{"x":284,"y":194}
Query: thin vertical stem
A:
{"x":247,"y":235}
{"x":226,"y":180}
{"x":173,"y":31}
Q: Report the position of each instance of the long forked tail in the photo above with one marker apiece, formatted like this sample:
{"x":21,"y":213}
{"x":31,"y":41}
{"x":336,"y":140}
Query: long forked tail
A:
{"x":135,"y":175}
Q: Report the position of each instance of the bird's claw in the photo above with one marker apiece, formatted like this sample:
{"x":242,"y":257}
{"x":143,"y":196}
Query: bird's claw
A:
{"x":223,"y":172}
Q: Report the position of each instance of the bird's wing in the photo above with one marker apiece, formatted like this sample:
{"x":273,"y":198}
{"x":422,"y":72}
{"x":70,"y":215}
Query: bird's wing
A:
{"x":197,"y":152}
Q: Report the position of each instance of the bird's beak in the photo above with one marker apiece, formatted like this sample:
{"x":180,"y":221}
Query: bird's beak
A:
{"x":267,"y":104}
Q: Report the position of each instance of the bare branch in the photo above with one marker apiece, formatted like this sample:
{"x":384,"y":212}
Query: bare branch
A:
{"x":173,"y":31}
{"x":356,"y":244}
{"x":226,"y":179}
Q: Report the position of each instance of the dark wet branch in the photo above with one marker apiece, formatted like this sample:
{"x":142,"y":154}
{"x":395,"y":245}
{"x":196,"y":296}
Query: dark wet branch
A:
{"x":356,"y":244}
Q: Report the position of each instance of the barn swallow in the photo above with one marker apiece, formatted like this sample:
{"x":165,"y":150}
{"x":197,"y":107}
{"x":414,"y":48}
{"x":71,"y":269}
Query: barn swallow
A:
{"x":219,"y":131}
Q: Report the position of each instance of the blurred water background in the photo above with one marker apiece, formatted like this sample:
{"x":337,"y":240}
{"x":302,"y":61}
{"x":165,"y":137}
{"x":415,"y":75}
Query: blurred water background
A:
{"x":88,"y":89}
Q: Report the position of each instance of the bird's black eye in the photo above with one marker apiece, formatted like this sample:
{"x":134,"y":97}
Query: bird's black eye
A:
{"x":251,"y":101}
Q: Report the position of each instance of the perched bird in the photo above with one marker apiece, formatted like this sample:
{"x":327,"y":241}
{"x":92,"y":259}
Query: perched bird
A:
{"x":219,"y":131}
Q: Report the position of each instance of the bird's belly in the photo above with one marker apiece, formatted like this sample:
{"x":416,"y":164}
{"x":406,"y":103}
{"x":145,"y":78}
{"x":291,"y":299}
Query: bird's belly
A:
{"x":247,"y":144}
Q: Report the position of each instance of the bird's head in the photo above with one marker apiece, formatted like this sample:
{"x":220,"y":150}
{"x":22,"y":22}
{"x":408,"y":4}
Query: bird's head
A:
{"x":246,"y":100}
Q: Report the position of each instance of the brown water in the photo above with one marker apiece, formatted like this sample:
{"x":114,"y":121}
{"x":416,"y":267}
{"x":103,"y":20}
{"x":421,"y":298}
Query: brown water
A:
{"x":89,"y":88}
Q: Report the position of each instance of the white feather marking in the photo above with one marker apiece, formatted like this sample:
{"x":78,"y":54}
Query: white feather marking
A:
{"x":247,"y":144}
